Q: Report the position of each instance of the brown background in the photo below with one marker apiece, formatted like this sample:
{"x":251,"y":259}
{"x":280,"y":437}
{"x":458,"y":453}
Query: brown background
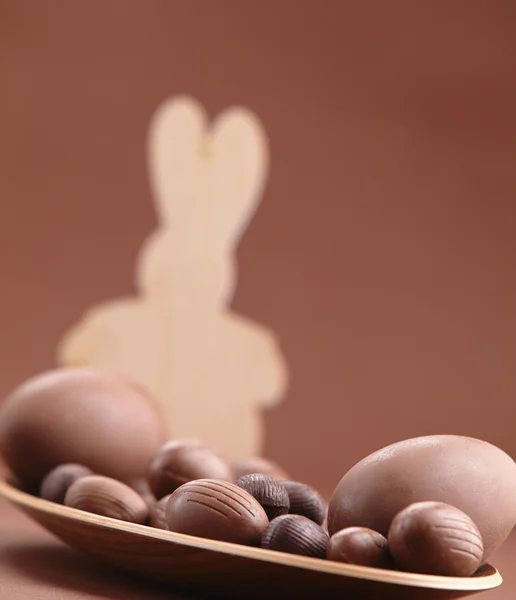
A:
{"x":383,"y":253}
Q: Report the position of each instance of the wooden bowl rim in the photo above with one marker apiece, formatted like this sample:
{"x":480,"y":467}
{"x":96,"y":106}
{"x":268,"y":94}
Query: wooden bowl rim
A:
{"x":486,"y":578}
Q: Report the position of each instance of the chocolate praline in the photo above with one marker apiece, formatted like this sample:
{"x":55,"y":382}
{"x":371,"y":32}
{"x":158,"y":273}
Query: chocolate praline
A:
{"x":269,"y":492}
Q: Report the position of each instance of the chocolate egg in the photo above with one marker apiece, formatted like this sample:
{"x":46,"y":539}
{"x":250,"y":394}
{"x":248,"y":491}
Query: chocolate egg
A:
{"x":79,"y":415}
{"x":437,"y":539}
{"x":216,"y":510}
{"x":56,"y":483}
{"x":180,"y":461}
{"x":296,"y":534}
{"x":305,"y":501}
{"x":107,"y":497}
{"x":360,"y":546}
{"x":474,"y":476}
{"x":269,"y":492}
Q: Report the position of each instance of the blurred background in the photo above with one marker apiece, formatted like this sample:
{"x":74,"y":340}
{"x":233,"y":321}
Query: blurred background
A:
{"x":383,"y":253}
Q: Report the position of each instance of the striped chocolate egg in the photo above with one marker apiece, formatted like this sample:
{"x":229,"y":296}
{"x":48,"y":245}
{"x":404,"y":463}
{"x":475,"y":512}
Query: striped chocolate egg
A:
{"x":216,"y":510}
{"x":435,"y":538}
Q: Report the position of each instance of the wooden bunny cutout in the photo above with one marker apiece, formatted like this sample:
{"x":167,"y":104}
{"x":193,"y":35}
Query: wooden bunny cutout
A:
{"x":212,"y":370}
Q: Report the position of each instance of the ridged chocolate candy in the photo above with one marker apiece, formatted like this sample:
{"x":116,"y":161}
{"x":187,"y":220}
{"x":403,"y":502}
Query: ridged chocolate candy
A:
{"x":295,"y":534}
{"x":269,"y":492}
{"x":216,"y":510}
{"x":437,"y":539}
{"x":107,"y":497}
{"x":305,"y":501}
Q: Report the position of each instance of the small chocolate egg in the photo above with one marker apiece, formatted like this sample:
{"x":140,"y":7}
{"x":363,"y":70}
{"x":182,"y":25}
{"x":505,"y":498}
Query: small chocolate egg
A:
{"x":216,"y":510}
{"x":305,"y":501}
{"x":476,"y":477}
{"x":296,"y":535}
{"x":257,"y":464}
{"x":56,"y":483}
{"x":79,"y":415}
{"x":180,"y":461}
{"x":157,"y":516}
{"x":360,"y":546}
{"x":269,"y":492}
{"x":437,"y":539}
{"x":107,"y":497}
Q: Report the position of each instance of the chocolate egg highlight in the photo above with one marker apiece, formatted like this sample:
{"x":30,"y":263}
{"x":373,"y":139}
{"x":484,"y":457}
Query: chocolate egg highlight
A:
{"x":474,"y":476}
{"x":79,"y":415}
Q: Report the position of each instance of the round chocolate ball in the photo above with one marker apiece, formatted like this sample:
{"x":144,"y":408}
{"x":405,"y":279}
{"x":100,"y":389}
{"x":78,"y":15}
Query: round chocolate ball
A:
{"x":107,"y":497}
{"x":269,"y":492}
{"x":296,"y":535}
{"x":56,"y":483}
{"x":180,"y":461}
{"x":360,"y":546}
{"x":305,"y":501}
{"x":79,"y":415}
{"x":257,"y":464}
{"x":216,"y":510}
{"x":435,"y":538}
{"x":443,"y":468}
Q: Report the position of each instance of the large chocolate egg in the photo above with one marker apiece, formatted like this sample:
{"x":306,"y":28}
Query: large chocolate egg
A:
{"x":474,"y":476}
{"x":80,"y":415}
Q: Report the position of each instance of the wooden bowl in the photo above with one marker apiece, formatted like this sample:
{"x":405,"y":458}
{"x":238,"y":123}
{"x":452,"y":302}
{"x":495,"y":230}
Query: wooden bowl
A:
{"x":219,"y":568}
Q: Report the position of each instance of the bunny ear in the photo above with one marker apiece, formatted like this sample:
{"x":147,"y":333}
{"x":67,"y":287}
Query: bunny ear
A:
{"x":239,"y":170}
{"x":174,"y":146}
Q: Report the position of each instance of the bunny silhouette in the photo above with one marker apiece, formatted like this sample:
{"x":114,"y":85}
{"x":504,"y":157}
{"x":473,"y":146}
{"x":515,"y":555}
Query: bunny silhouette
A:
{"x":212,"y":369}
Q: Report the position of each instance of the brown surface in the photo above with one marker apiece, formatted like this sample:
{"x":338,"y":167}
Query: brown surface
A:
{"x":383,"y":253}
{"x":33,"y":564}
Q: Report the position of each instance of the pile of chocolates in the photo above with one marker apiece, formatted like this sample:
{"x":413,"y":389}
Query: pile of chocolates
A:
{"x":435,"y":505}
{"x":192,"y":489}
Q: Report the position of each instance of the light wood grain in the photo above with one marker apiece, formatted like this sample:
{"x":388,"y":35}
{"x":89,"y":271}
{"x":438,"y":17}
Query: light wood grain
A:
{"x":178,"y":334}
{"x":212,"y":567}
